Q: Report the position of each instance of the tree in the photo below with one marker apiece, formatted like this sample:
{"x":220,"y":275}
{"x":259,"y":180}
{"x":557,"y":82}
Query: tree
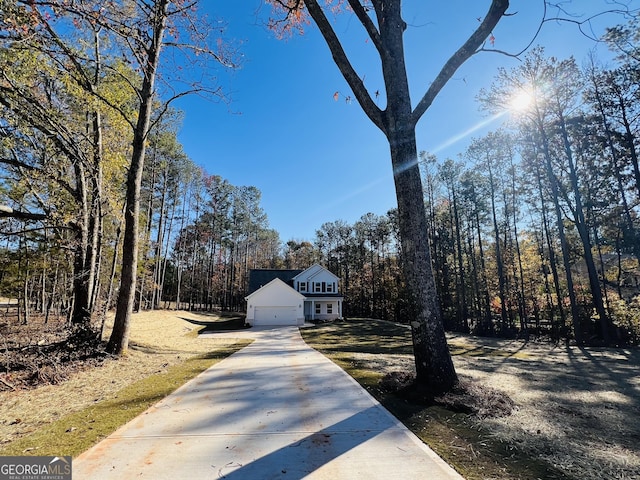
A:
{"x":596,"y":95}
{"x":450,"y":173}
{"x":139,"y":30}
{"x":474,"y":186}
{"x":123,"y":39}
{"x":489,"y":152}
{"x":54,"y":100}
{"x":149,"y":45}
{"x":382,"y":20}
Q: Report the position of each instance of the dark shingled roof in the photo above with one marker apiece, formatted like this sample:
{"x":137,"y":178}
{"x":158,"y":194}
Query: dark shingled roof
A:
{"x":260,"y":277}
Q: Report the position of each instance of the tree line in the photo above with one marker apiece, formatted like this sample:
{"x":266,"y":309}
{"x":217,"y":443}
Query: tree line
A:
{"x":86,"y":91}
{"x":533,"y":230}
{"x":199,"y":237}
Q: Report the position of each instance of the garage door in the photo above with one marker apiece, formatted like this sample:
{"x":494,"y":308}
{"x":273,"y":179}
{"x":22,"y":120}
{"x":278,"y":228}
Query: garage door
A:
{"x":275,"y":316}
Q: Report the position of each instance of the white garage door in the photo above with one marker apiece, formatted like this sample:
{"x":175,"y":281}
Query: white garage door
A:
{"x":275,"y":316}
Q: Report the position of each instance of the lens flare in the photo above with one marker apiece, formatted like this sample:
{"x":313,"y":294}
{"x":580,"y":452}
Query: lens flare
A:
{"x":521,"y":102}
{"x":469,"y":131}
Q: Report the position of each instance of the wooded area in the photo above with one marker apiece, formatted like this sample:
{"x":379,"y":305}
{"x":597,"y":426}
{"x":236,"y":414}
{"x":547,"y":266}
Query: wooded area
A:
{"x":535,"y":231}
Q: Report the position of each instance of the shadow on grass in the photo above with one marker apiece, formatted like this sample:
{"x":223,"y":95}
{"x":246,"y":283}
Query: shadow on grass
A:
{"x":360,"y":336}
{"x":77,"y":431}
{"x":454,"y":436}
{"x":230,"y":324}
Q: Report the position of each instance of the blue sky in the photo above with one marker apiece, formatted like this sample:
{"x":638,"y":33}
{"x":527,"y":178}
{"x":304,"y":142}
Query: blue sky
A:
{"x":318,"y":160}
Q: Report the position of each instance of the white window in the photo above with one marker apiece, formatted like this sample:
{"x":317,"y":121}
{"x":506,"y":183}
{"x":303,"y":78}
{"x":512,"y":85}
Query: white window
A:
{"x":330,"y":287}
{"x":302,"y":287}
{"x":318,"y":309}
{"x":329,"y":307}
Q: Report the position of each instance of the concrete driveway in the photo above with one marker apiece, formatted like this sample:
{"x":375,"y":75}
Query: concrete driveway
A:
{"x":275,"y":410}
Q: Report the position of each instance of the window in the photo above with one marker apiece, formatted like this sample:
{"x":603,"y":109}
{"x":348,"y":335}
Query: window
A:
{"x":330,"y":287}
{"x":317,"y":287}
{"x":318,"y":308}
{"x":329,"y":307}
{"x":302,"y":287}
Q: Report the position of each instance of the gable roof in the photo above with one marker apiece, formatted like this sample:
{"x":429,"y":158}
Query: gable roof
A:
{"x":314,"y":270}
{"x":276,"y":283}
{"x":261,"y":276}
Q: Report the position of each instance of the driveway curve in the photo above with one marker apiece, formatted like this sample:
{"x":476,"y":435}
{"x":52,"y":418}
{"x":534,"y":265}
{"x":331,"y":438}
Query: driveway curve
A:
{"x":277,"y":409}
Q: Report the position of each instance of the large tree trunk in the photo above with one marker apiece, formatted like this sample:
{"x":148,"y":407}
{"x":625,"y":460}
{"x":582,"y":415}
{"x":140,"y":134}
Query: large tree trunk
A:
{"x":434,"y":367}
{"x":119,"y":340}
{"x":398,"y":122}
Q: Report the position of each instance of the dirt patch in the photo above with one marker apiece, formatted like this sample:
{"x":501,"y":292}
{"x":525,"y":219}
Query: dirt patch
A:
{"x":466,"y":397}
{"x":159,"y":339}
{"x":577,"y":408}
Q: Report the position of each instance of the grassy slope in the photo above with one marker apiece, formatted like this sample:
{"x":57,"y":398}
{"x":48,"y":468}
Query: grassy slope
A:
{"x":76,"y":432}
{"x":166,"y":341}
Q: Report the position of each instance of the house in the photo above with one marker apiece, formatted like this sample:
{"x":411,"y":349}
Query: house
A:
{"x":291,"y":297}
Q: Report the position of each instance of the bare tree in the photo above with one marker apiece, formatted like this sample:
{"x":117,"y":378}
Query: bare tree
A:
{"x":383,"y":22}
{"x":385,"y":26}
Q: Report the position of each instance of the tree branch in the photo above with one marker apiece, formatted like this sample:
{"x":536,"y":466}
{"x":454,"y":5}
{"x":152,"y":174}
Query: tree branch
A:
{"x":199,"y":50}
{"x":368,"y":25}
{"x":623,"y":10}
{"x":343,"y":63}
{"x":8,"y":212}
{"x":470,"y":47}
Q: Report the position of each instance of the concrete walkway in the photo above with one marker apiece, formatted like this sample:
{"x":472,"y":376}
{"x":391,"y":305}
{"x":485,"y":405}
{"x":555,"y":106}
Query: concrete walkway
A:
{"x":275,"y":410}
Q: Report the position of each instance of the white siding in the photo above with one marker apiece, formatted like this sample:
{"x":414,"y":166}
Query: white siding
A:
{"x":318,"y":280}
{"x":275,"y":304}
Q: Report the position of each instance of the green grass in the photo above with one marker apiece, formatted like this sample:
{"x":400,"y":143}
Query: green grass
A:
{"x":454,"y":436}
{"x":76,"y":432}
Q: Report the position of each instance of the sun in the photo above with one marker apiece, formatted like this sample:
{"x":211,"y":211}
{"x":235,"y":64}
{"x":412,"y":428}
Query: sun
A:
{"x":521,"y":102}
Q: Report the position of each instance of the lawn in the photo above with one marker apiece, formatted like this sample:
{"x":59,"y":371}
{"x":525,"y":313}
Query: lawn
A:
{"x":577,"y":410}
{"x":69,"y":416}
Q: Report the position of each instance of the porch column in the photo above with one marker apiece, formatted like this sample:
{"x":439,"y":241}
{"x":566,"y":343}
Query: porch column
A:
{"x":339,"y":309}
{"x":313,"y":309}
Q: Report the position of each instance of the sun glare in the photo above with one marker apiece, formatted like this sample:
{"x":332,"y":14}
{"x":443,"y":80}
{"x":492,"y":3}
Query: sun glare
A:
{"x":456,"y":138}
{"x":520,"y":102}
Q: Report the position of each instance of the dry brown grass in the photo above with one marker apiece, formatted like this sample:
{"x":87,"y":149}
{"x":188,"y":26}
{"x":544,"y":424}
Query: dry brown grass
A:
{"x":579,"y":409}
{"x":159,"y":339}
{"x":576,"y":409}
